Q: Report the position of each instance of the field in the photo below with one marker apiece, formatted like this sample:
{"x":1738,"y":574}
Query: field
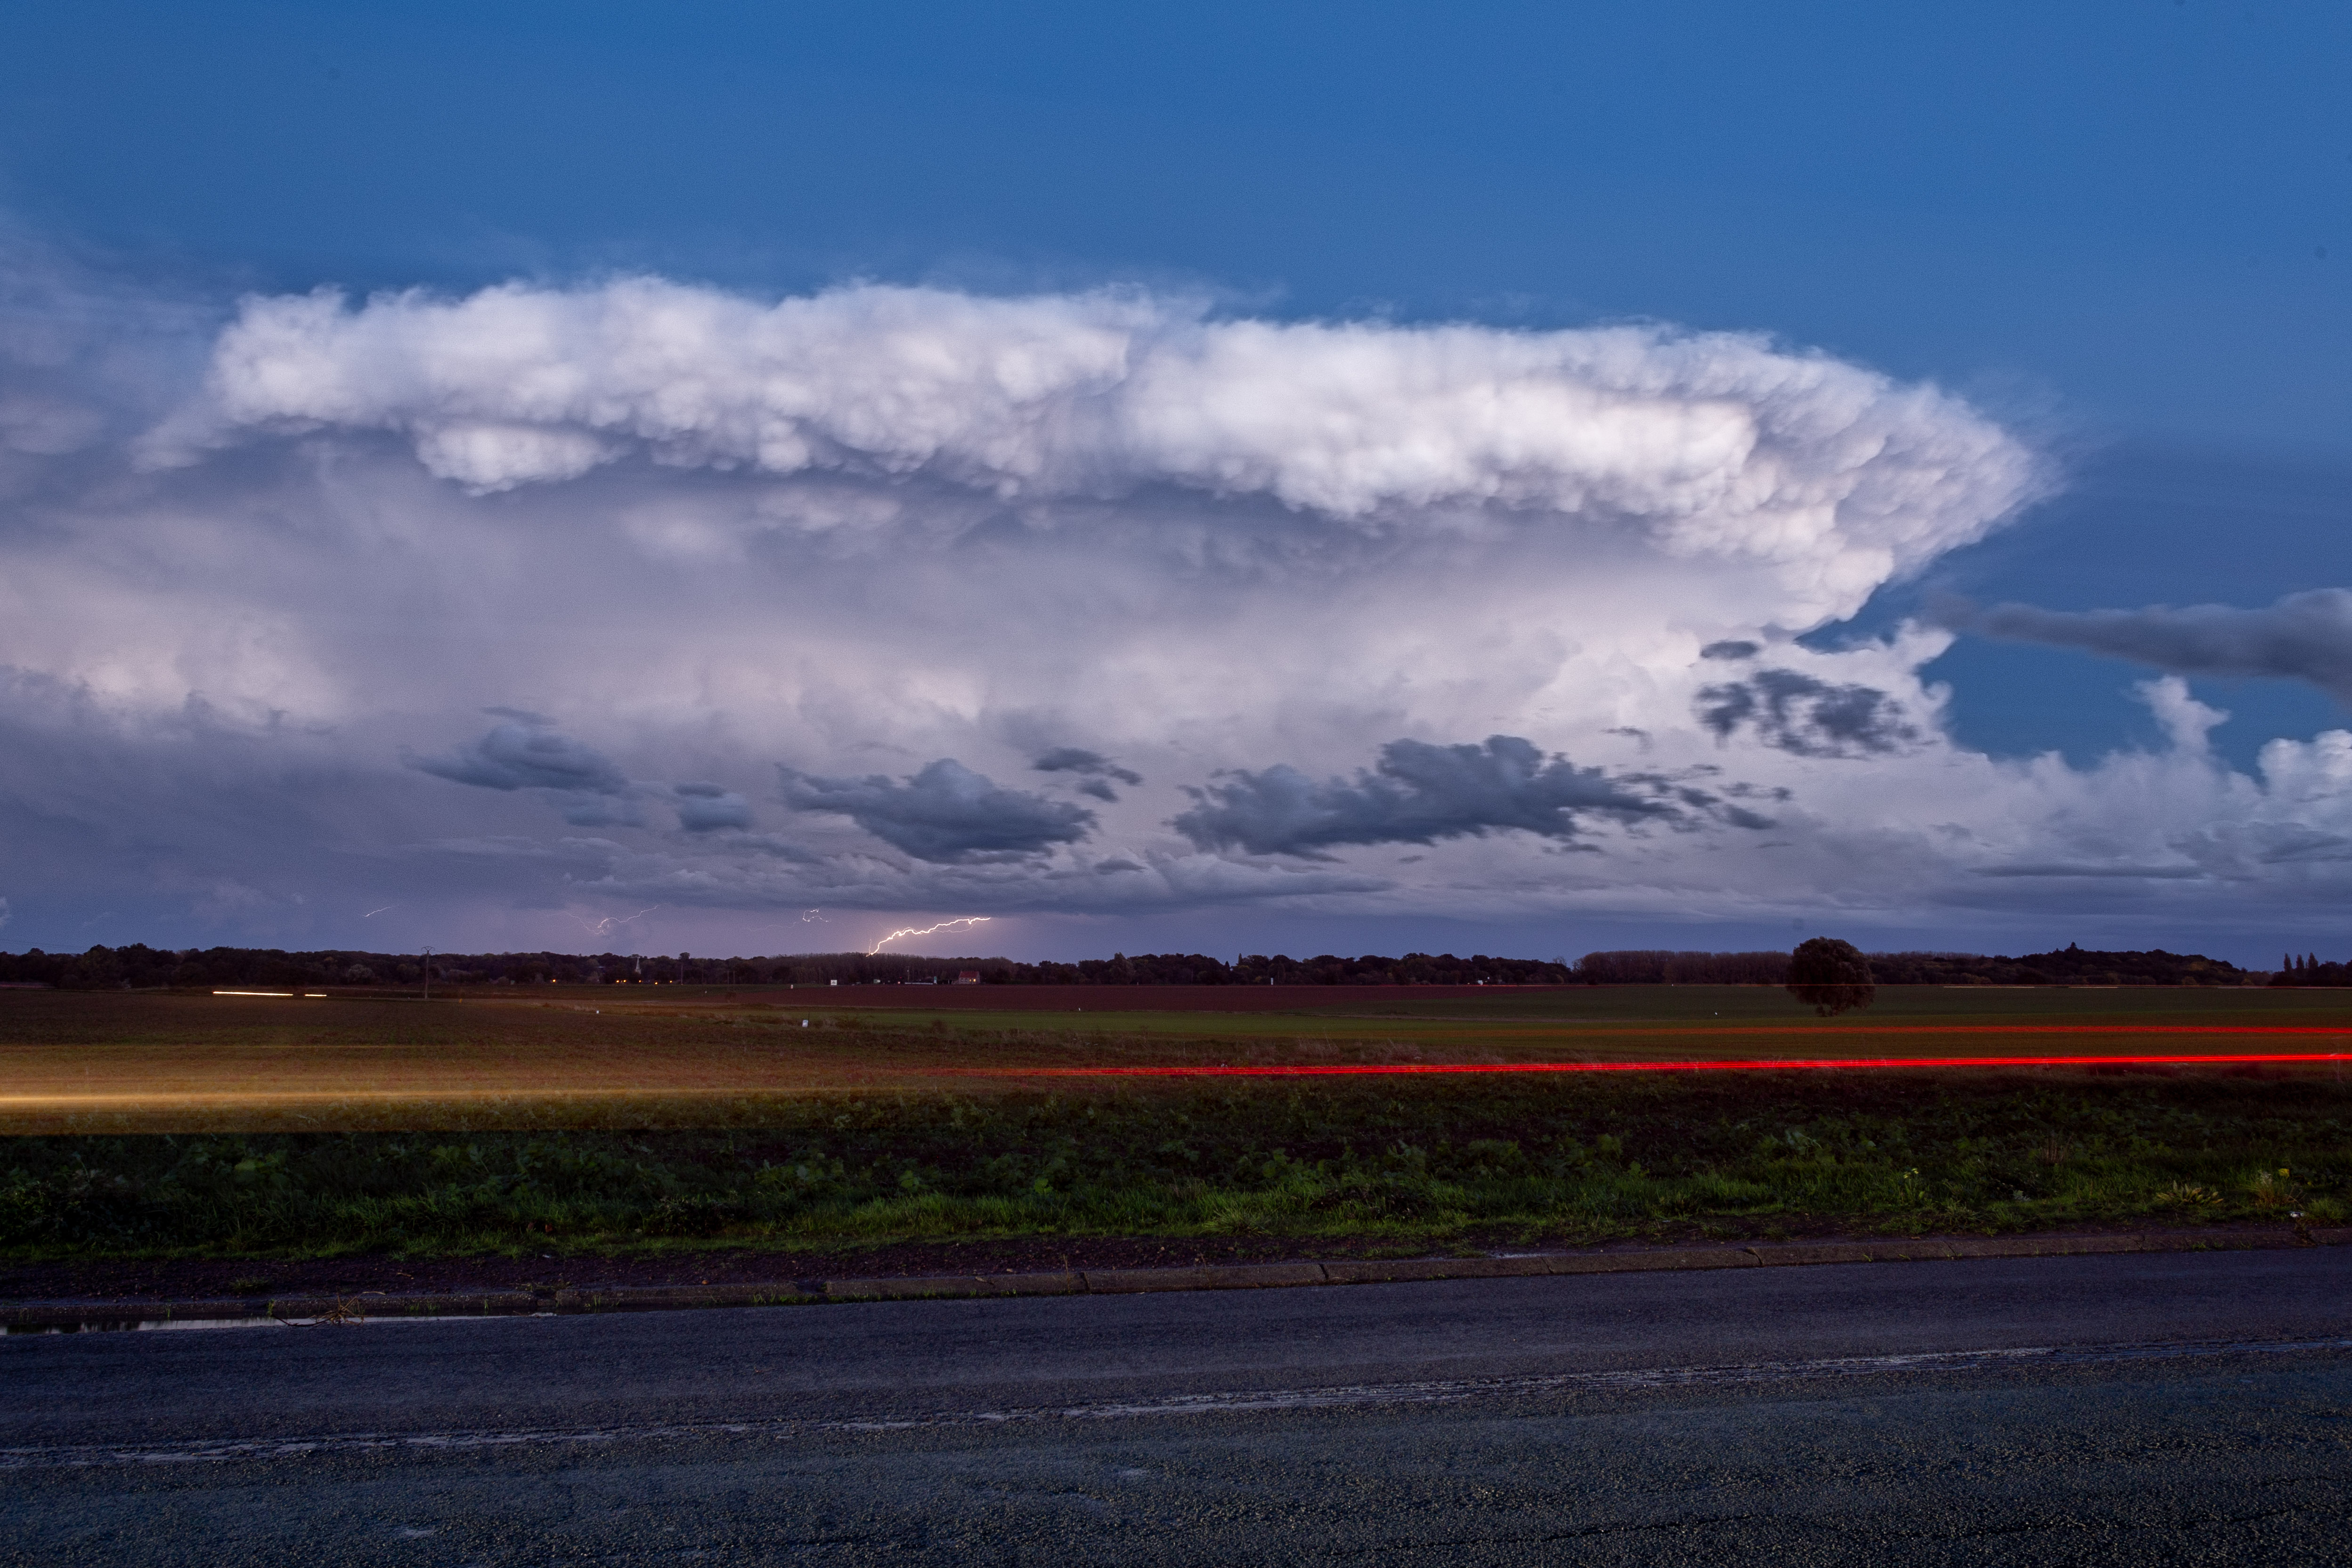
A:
{"x":95,"y":1062}
{"x":611,"y":1121}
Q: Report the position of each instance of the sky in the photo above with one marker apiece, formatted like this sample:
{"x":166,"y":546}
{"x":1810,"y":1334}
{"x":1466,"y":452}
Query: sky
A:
{"x":1490,"y":478}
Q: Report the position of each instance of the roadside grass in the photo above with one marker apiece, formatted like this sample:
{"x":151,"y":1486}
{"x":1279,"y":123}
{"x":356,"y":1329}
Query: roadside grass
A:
{"x":1404,"y":1164}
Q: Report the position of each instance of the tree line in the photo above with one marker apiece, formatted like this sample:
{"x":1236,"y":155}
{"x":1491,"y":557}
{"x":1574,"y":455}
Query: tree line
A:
{"x":141,"y":967}
{"x":2308,"y":970}
{"x":2070,"y":965}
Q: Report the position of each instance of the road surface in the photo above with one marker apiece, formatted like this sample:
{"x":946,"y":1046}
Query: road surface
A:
{"x":2134,"y":1410}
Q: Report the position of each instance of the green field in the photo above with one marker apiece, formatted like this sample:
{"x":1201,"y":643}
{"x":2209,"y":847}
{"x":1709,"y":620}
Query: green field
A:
{"x":161,"y":1126}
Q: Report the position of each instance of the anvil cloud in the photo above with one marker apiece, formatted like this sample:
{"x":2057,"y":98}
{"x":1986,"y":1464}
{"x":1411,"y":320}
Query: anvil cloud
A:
{"x":864,"y":599}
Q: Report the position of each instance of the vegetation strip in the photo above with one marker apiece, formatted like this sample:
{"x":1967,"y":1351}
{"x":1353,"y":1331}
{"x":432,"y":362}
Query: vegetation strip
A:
{"x":35,"y":1317}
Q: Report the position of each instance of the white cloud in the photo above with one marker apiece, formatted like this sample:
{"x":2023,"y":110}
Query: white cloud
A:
{"x":814,"y":575}
{"x":2186,"y":721}
{"x":1709,"y":445}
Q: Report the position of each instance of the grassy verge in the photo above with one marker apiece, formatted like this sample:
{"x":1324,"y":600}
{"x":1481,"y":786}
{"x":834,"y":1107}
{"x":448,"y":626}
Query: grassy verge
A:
{"x":1413,"y":1163}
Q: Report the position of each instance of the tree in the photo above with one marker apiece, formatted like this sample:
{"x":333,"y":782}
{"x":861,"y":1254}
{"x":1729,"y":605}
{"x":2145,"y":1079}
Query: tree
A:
{"x":1830,"y":976}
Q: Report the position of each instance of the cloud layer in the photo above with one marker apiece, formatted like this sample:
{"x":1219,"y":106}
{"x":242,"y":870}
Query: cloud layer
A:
{"x":524,"y":753}
{"x":1067,"y":608}
{"x":1416,"y":794}
{"x":945,"y":813}
{"x":2305,"y":636}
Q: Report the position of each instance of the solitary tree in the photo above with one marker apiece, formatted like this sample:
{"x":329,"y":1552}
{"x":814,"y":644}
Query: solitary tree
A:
{"x":1830,"y":976}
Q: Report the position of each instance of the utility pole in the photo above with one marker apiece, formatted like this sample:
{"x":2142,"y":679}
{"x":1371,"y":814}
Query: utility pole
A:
{"x":429,"y":974}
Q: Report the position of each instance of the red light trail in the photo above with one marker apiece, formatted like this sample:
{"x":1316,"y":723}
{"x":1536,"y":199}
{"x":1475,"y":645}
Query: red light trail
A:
{"x":1787,"y":1065}
{"x":2339,"y":1031}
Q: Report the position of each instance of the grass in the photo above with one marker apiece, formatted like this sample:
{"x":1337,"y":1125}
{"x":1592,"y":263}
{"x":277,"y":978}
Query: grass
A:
{"x":177,"y":1126}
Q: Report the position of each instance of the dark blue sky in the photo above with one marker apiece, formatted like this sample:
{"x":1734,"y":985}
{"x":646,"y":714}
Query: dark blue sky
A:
{"x":2122,"y":230}
{"x":2112,"y":215}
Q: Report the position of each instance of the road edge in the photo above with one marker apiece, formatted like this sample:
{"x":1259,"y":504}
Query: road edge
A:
{"x":73,"y":1316}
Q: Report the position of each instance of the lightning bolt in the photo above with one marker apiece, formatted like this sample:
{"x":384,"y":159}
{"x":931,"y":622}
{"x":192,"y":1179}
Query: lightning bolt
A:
{"x":925,"y":931}
{"x":372,"y":914}
{"x":815,"y":917}
{"x":603,"y":928}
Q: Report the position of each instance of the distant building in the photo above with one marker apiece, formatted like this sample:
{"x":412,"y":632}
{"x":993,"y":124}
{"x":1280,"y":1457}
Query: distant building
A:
{"x":967,"y":978}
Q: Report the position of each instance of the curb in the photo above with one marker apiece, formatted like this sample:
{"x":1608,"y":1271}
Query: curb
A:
{"x":68,"y":1317}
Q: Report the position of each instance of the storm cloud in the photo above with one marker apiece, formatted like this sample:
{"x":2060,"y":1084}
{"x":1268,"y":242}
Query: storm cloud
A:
{"x":945,"y":813}
{"x":1074,"y":759}
{"x":1801,"y":714}
{"x":1416,"y":793}
{"x":1097,"y":771}
{"x":526,"y":752}
{"x":252,"y":585}
{"x":2304,"y":636}
{"x":710,"y":807}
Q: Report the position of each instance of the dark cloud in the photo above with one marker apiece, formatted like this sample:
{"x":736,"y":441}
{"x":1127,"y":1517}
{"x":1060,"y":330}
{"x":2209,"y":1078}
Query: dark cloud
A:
{"x":1712,"y":804}
{"x":526,"y":753}
{"x":1417,"y":794}
{"x":2289,"y":845}
{"x":1076,"y":759}
{"x":1808,"y":716}
{"x":1733,"y":648}
{"x":707,"y":807}
{"x":947,"y":814}
{"x":2305,"y":636}
{"x":2100,"y":869}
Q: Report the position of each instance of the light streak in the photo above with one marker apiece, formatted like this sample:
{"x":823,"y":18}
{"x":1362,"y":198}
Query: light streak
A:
{"x":815,"y":917}
{"x":2337,"y":1030}
{"x":1832,"y":1063}
{"x":925,"y":931}
{"x":372,"y":914}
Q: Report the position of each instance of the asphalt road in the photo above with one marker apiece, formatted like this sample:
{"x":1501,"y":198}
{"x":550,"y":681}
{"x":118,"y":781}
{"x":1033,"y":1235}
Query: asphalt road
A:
{"x":2152,"y":1409}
